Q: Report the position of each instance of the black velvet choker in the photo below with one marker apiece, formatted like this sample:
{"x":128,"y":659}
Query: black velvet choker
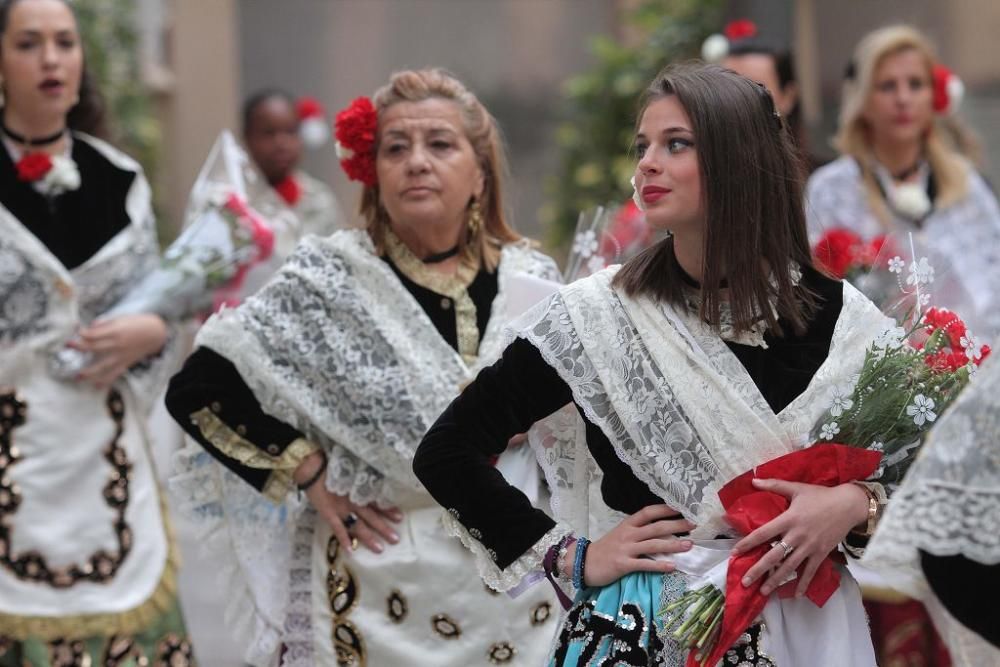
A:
{"x":24,"y":141}
{"x":440,"y":256}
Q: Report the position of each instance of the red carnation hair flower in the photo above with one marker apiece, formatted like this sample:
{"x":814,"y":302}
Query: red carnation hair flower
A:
{"x":740,"y":29}
{"x":309,"y":107}
{"x":355,"y":128}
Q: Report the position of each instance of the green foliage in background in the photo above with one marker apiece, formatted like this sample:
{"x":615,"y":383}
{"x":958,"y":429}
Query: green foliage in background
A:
{"x":111,"y":45}
{"x":595,"y":139}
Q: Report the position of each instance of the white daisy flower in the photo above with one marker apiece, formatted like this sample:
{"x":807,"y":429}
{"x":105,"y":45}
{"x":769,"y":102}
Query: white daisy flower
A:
{"x":922,"y":410}
{"x":827,"y":431}
{"x":896,"y":264}
{"x":971,"y":347}
{"x":585,"y":243}
{"x":921,"y":273}
{"x":840,"y":400}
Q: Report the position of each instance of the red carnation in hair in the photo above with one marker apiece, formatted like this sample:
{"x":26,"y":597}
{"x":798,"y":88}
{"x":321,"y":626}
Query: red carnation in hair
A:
{"x":740,"y":29}
{"x":290,"y":190}
{"x":356,"y":125}
{"x":309,"y":107}
{"x":942,"y":79}
{"x":361,"y":167}
{"x":355,"y":129}
{"x":33,"y":167}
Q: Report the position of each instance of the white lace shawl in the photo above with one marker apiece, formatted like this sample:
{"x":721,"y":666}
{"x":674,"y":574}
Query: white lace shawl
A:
{"x":676,"y":404}
{"x":42,"y":304}
{"x":949,"y":504}
{"x":961,"y":240}
{"x":335,"y":346}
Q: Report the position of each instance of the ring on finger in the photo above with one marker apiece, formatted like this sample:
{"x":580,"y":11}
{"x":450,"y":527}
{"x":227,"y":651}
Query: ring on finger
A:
{"x":350,"y":520}
{"x":788,"y":549}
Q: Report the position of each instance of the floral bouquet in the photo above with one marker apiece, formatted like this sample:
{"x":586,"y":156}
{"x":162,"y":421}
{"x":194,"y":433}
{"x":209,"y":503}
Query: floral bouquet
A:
{"x":224,"y":237}
{"x":843,"y":254}
{"x":872,"y":429}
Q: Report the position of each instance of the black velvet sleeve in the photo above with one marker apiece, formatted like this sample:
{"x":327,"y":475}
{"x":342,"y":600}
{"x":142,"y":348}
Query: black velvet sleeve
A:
{"x":454,"y":459}
{"x":968,"y":590}
{"x":209,"y":380}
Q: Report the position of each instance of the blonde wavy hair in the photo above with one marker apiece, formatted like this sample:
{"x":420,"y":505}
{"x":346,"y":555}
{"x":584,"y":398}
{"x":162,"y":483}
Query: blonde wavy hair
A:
{"x":853,"y":138}
{"x":483,"y":133}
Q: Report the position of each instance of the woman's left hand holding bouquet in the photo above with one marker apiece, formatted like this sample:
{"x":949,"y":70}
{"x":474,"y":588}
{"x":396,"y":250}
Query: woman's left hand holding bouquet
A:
{"x":817,"y":520}
{"x":117,"y":344}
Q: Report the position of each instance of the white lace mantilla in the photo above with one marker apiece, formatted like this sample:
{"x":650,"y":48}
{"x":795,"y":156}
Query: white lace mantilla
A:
{"x":949,"y":503}
{"x":335,"y":346}
{"x":684,"y":433}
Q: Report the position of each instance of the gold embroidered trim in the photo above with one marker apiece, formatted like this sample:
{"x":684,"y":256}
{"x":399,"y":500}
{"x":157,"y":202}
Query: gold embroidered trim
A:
{"x":455,"y":286}
{"x":100,"y":566}
{"x":342,"y":591}
{"x":235,"y":446}
{"x":131,"y":621}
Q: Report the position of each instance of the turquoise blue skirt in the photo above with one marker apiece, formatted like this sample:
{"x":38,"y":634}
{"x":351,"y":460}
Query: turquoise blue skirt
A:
{"x":616,"y":624}
{"x":619,"y":626}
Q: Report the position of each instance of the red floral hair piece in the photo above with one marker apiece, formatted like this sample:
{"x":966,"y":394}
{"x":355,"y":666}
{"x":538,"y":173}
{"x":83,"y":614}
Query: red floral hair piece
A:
{"x":355,"y":128}
{"x":740,"y":29}
{"x":948,"y":90}
{"x":309,"y":107}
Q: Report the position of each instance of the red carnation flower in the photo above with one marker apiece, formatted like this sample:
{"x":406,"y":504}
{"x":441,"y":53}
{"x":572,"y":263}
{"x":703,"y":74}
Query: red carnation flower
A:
{"x":740,"y":29}
{"x":356,"y":126}
{"x":290,"y":190}
{"x":940,"y":75}
{"x":984,"y":351}
{"x":355,"y":129}
{"x":33,"y":167}
{"x":836,"y":251}
{"x":361,"y":167}
{"x":309,"y":107}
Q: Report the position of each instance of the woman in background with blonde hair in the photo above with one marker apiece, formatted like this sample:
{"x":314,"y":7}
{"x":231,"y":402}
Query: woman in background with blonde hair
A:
{"x":327,"y":379}
{"x":901,"y":171}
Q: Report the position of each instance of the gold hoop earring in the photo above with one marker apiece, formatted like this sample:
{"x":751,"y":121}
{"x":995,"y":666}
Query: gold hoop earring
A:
{"x":475,"y":219}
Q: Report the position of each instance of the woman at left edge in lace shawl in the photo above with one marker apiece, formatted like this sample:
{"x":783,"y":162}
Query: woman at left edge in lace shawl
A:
{"x":87,"y":563}
{"x":327,"y":379}
{"x":677,"y":381}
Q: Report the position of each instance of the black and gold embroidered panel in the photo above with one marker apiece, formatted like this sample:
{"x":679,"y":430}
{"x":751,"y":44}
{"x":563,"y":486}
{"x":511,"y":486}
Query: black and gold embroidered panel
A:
{"x":101,"y":566}
{"x":342,"y":592}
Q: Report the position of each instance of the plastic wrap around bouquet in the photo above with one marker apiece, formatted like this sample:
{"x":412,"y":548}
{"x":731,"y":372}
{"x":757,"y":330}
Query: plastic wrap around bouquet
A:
{"x":871,"y":430}
{"x":222,"y":239}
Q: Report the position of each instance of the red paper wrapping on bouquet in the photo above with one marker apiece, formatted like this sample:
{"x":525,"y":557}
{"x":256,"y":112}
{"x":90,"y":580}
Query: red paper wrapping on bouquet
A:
{"x":748,"y":508}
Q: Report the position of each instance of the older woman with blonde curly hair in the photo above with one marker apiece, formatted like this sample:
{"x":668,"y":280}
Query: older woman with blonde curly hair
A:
{"x":327,"y":379}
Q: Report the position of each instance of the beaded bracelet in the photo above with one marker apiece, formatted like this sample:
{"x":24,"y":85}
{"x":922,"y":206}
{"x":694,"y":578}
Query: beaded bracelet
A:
{"x":581,"y":555}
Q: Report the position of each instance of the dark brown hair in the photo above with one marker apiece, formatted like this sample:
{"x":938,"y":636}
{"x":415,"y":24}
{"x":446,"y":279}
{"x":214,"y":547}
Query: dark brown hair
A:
{"x":88,"y":115}
{"x":752,"y":197}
